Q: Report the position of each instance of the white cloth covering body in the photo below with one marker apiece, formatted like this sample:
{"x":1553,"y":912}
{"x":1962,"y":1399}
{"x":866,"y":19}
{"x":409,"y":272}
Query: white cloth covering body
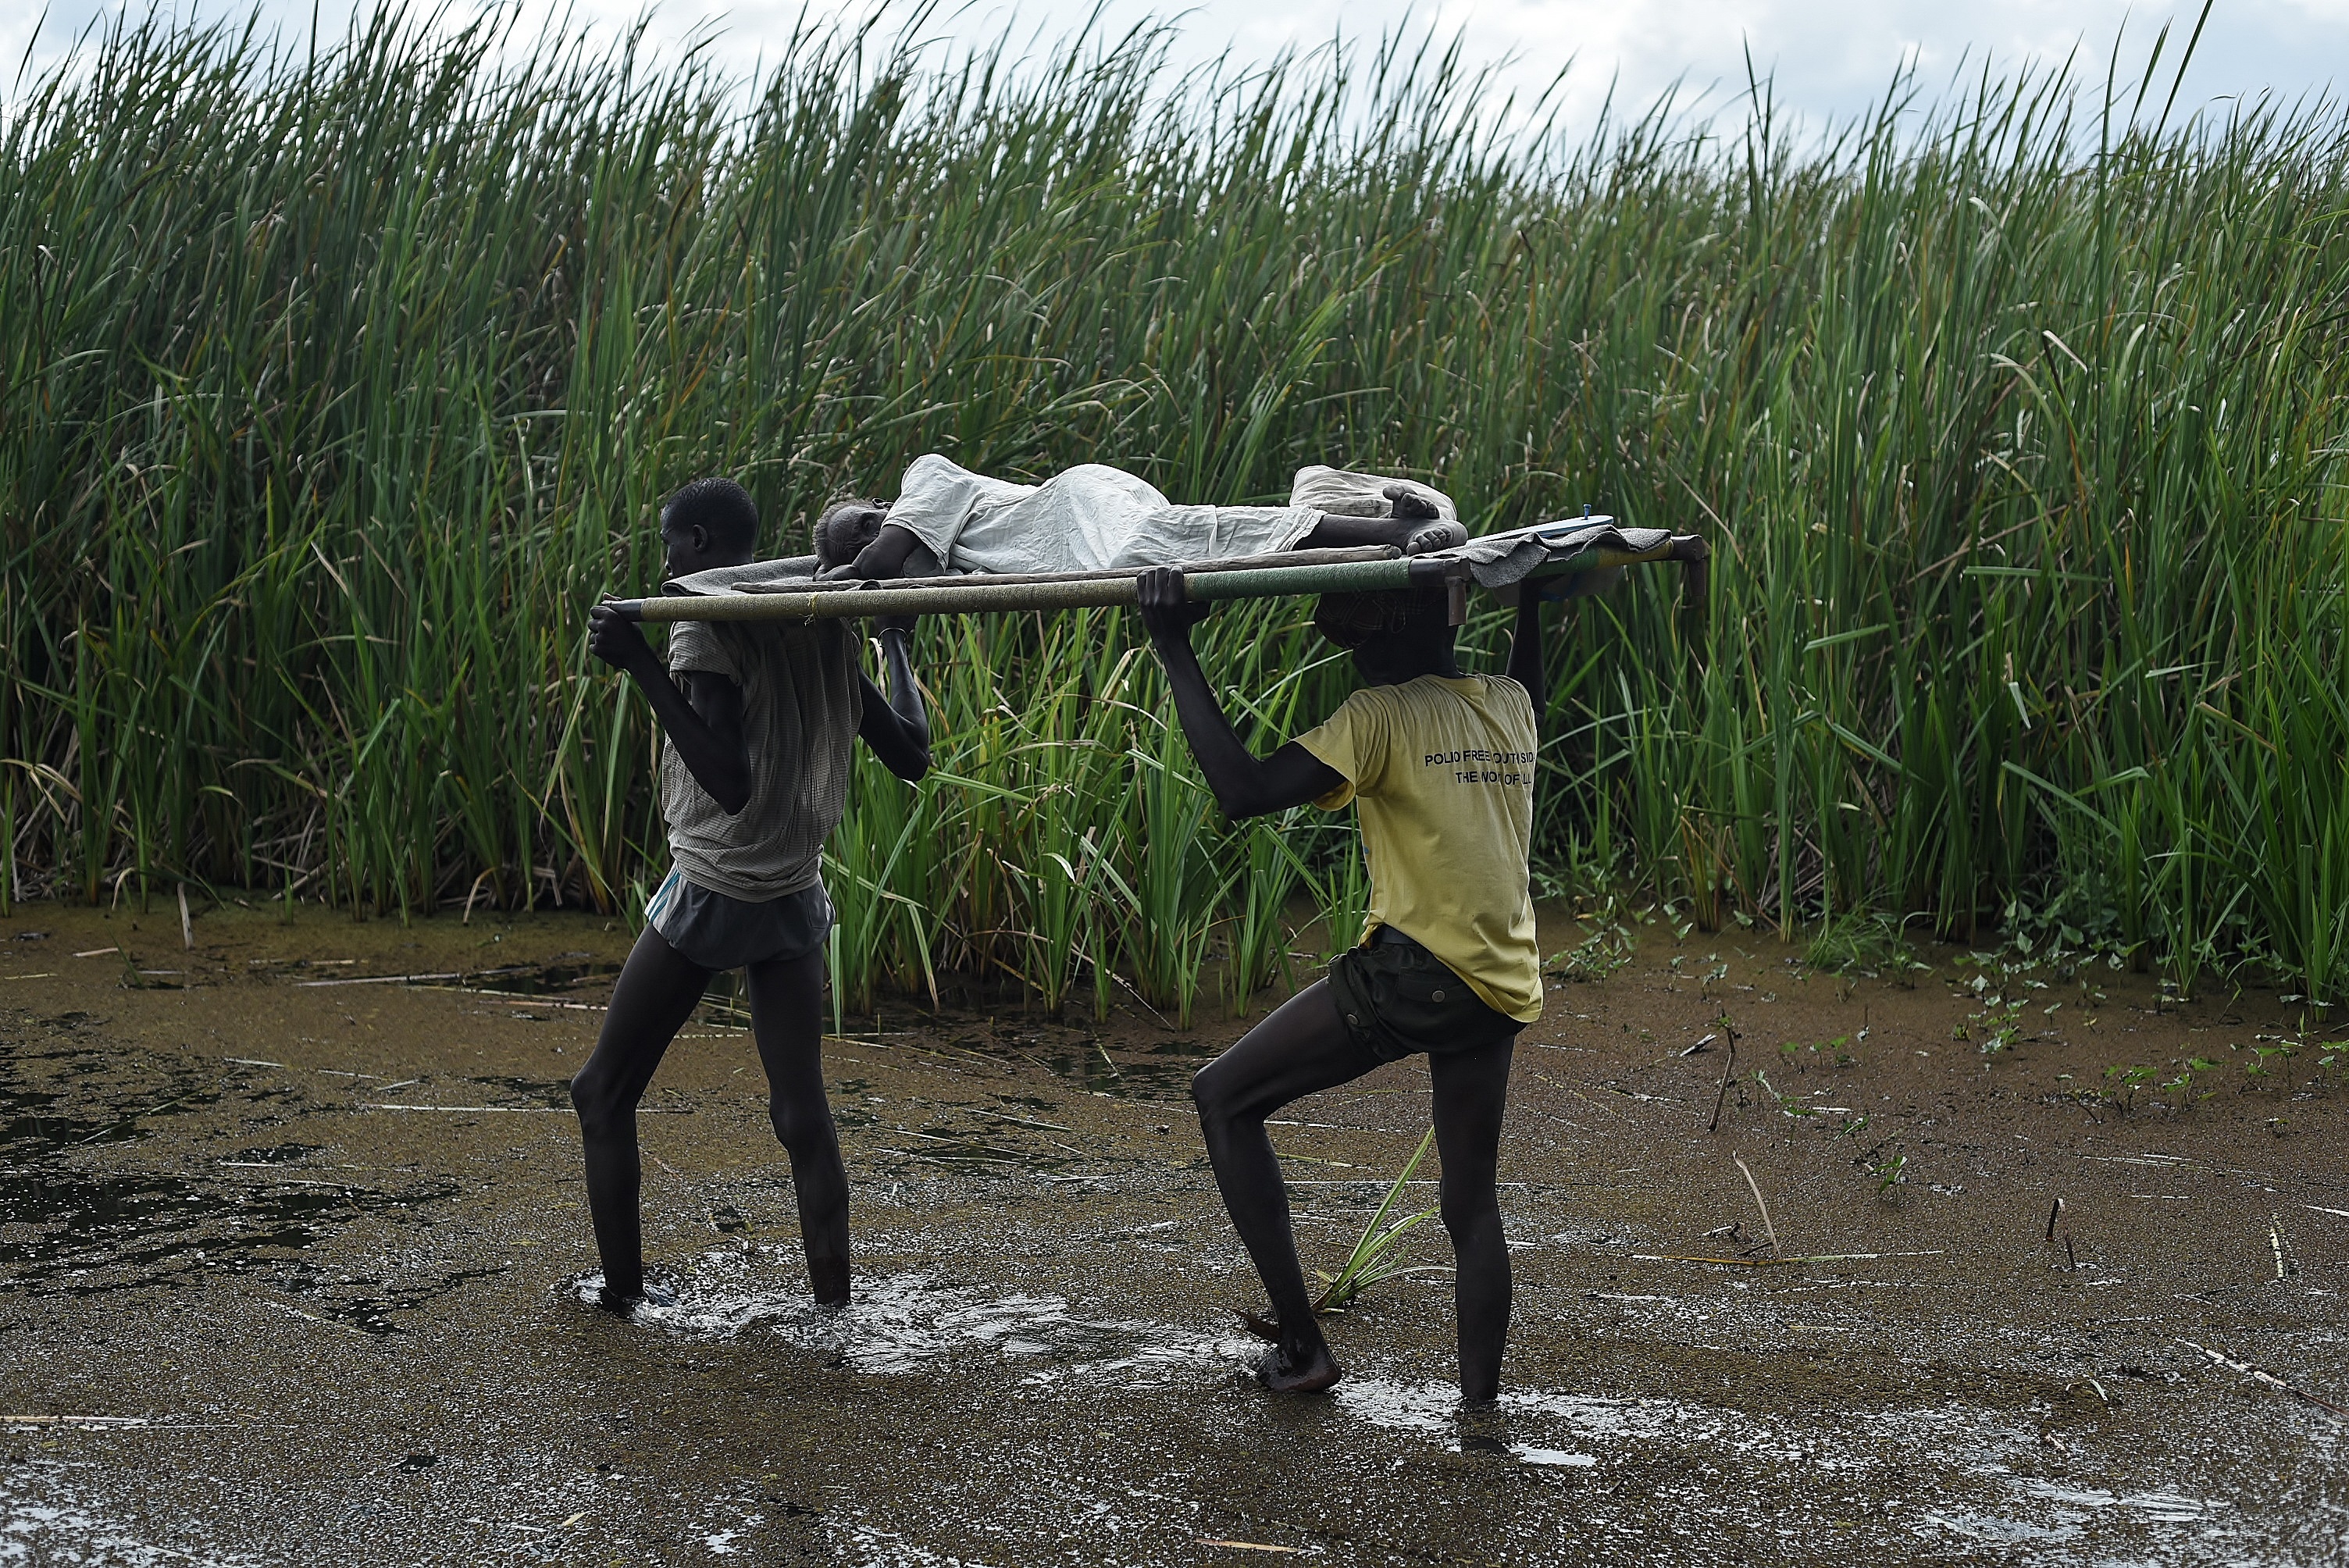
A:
{"x":1091,"y":518}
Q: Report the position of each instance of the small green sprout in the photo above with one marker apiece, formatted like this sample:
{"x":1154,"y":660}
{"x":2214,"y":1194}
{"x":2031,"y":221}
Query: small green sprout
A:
{"x":1374,"y":1258}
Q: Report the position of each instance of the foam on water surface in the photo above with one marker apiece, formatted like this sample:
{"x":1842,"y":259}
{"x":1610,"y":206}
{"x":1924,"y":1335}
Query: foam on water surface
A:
{"x":906,"y":1323}
{"x":45,"y":1521}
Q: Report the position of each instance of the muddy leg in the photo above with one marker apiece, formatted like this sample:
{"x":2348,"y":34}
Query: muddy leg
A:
{"x":787,"y":1016}
{"x":1471,"y":1091}
{"x":1301,"y":1046}
{"x":657,"y":992}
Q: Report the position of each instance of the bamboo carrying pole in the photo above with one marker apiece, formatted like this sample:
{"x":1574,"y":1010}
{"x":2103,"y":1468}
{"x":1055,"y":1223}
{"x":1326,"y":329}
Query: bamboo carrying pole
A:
{"x":1205,"y":583}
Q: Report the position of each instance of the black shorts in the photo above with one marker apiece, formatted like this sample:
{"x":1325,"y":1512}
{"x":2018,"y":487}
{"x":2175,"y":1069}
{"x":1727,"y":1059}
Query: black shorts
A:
{"x":722,"y":932}
{"x":1398,"y":998}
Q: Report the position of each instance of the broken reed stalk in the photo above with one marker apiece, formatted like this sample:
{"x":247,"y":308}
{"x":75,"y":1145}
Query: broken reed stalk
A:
{"x":1755,"y":1186}
{"x":1777,"y":1263}
{"x":1728,"y":1071}
{"x":2264,"y":1379}
{"x":2055,"y":1213}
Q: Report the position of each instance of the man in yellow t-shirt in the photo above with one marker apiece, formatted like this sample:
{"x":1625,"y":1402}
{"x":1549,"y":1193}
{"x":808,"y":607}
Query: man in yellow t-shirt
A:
{"x":1441,"y":767}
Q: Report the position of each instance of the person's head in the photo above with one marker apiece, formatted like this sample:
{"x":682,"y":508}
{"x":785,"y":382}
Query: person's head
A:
{"x":1393,"y":637}
{"x":709,"y":522}
{"x":847,"y":526}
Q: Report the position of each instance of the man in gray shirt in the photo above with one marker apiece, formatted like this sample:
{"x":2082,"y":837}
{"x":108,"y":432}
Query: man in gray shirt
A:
{"x":759,"y":721}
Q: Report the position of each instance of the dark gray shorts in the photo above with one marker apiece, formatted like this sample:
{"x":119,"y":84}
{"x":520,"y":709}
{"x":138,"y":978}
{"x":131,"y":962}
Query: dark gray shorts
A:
{"x":1398,"y":998}
{"x":722,"y":932}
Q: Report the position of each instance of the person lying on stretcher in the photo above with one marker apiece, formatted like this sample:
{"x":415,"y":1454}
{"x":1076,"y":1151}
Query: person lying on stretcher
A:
{"x":1091,"y":518}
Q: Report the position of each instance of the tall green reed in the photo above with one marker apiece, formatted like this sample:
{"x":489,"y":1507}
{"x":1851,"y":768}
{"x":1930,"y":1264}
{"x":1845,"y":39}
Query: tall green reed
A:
{"x":337,"y":387}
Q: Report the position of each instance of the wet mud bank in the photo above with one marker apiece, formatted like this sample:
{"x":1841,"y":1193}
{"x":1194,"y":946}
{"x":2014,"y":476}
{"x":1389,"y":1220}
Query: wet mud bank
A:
{"x":292,"y":1237}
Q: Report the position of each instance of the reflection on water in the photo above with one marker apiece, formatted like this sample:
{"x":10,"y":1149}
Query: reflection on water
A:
{"x":1975,"y":1494}
{"x":1162,"y":1073}
{"x":45,"y":1519}
{"x":77,"y":1221}
{"x":917,"y":1324}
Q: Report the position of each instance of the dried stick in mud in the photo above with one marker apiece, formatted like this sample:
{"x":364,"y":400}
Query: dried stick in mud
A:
{"x":2264,"y":1379}
{"x":1728,"y":1071}
{"x":1755,"y":1188}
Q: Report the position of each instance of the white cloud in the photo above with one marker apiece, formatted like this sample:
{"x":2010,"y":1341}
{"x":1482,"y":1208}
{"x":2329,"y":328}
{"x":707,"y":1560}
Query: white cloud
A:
{"x":1828,"y":58}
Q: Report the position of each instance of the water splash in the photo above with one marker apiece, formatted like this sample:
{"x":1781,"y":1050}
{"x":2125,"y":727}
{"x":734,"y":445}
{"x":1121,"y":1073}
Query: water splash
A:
{"x":905,"y":1323}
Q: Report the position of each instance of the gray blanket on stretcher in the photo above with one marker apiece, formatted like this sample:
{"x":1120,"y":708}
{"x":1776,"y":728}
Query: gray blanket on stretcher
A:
{"x":1502,"y":561}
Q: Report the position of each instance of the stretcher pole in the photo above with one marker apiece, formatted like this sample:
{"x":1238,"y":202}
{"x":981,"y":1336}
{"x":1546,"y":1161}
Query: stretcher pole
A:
{"x":965,"y":595}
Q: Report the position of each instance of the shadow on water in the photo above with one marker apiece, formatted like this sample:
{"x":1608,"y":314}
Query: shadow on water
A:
{"x":971,"y":1154}
{"x":370,"y":1305}
{"x":50,"y":1101}
{"x":554,"y":1093}
{"x":94,"y":1232}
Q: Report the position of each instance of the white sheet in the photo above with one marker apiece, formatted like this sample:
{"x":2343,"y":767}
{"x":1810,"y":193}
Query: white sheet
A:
{"x":1345,"y":493}
{"x":1088,"y":519}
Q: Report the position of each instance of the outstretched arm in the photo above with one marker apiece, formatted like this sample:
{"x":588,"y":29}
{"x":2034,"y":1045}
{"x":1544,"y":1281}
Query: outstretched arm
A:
{"x":704,"y":722}
{"x":1245,"y":785}
{"x":885,"y":557}
{"x":894,"y":725}
{"x":1526,"y":665}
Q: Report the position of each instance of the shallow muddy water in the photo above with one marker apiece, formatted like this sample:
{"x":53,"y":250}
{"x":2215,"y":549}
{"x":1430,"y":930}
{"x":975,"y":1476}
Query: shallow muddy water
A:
{"x":293,"y":1259}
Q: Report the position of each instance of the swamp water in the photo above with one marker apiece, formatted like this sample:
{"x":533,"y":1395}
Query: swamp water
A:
{"x":291,"y":1272}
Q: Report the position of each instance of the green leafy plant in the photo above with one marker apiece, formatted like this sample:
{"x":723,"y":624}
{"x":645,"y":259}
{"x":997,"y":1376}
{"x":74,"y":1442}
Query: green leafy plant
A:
{"x":1343,"y":896}
{"x":1374,"y":1257}
{"x":2130,"y":1079}
{"x":1888,"y":1169}
{"x":1873,"y":945}
{"x":1608,"y":947}
{"x":1787,"y":1103}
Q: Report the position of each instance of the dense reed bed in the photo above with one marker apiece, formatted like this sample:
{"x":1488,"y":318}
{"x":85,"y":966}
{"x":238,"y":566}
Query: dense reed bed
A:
{"x":336,"y":385}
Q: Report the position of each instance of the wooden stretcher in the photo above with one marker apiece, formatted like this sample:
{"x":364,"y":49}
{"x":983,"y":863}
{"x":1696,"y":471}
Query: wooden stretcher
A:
{"x":1370,"y":570}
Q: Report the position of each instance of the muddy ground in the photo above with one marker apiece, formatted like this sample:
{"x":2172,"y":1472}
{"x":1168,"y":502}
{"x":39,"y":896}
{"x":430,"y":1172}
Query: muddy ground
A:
{"x":290,"y":1254}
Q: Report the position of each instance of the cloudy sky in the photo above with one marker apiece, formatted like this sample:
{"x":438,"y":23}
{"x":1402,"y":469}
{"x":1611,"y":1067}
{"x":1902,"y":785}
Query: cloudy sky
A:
{"x":1828,"y":58}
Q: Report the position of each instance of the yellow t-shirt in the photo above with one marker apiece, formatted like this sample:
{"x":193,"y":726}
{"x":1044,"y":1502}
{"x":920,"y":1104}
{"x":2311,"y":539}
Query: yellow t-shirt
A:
{"x":1444,"y":772}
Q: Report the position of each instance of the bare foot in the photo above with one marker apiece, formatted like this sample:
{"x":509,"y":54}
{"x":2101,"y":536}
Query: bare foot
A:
{"x":1482,"y":1429}
{"x":1419,"y":528}
{"x":1434,"y":536}
{"x":1407,"y":505}
{"x":623,"y":1304}
{"x":828,"y":1278}
{"x":1284,"y":1372}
